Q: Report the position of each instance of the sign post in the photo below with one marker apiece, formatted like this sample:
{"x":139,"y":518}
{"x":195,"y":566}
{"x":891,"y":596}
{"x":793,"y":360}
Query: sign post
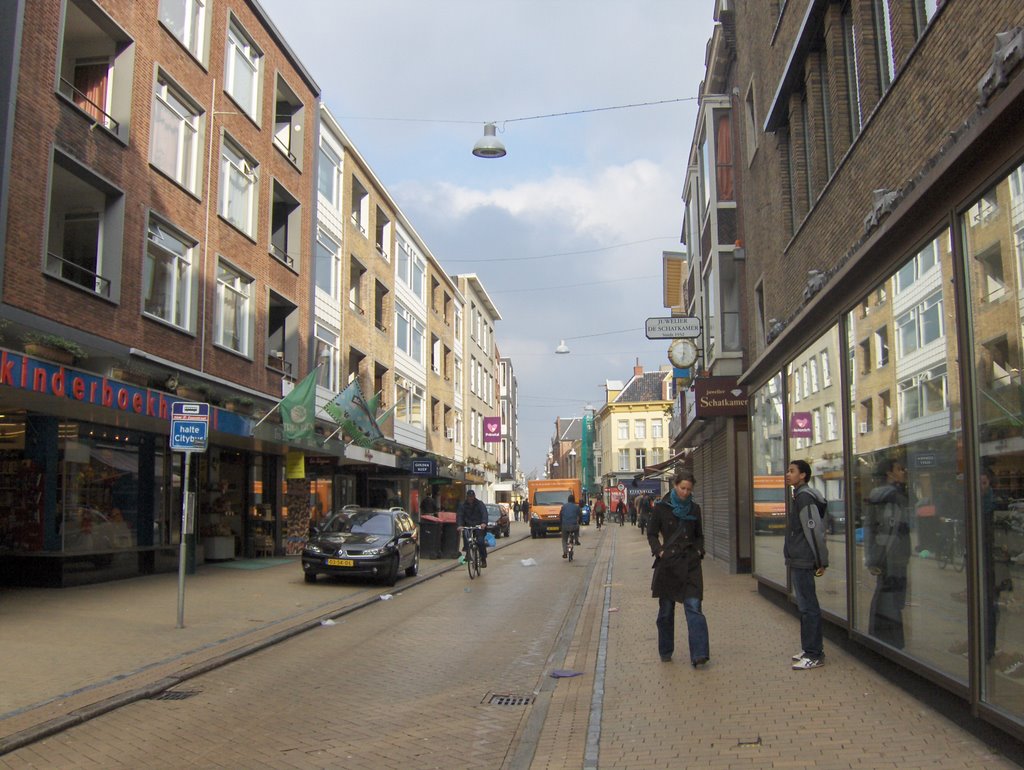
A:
{"x":673,"y":327}
{"x":190,"y":423}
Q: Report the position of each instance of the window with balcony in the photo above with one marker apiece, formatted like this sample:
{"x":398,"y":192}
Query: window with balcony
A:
{"x":380,"y":306}
{"x":288,"y":119}
{"x":382,"y":234}
{"x":329,"y":175}
{"x":175,"y":140}
{"x":95,"y":67}
{"x":86,"y":226}
{"x":360,"y":213}
{"x":234,"y":312}
{"x":993,"y":278}
{"x":436,"y":351}
{"x":283,"y":332}
{"x":355,"y":367}
{"x":356,"y":277}
{"x":168,"y":277}
{"x":186,"y":20}
{"x":243,"y":69}
{"x":239,"y":180}
{"x":285,"y":226}
{"x":882,"y":346}
{"x":327,"y":264}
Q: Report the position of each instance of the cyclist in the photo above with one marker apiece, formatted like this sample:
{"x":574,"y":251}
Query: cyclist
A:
{"x":472,"y":512}
{"x":599,"y":509}
{"x":570,"y":516}
{"x":620,"y":512}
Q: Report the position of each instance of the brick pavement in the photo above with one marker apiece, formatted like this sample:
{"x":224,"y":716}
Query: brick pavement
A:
{"x":745,"y":709}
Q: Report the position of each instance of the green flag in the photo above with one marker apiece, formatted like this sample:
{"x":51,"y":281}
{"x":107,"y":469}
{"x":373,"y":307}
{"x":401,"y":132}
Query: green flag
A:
{"x":298,"y":409}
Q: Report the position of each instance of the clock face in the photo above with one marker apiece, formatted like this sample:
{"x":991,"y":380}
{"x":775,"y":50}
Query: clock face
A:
{"x":682,"y":353}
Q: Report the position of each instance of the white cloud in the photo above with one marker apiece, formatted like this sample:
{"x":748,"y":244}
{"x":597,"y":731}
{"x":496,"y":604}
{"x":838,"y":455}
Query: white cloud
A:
{"x":617,"y":203}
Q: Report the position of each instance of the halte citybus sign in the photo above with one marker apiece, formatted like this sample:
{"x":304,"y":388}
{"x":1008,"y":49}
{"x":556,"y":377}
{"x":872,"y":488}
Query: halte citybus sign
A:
{"x":673,"y":327}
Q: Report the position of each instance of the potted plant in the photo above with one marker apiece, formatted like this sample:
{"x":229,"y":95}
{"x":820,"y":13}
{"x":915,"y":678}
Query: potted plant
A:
{"x":128,"y":372}
{"x":193,"y":391}
{"x":53,"y":347}
{"x":240,"y":404}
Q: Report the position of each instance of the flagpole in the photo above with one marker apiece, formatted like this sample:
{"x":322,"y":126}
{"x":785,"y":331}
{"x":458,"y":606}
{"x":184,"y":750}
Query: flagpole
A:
{"x":276,"y":406}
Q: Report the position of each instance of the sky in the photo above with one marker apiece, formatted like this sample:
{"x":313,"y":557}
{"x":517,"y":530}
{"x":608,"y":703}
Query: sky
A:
{"x":566,"y":232}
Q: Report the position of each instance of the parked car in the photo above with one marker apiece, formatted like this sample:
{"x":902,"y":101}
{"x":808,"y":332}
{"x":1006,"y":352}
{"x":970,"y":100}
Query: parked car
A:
{"x":497,"y":520}
{"x":370,"y":542}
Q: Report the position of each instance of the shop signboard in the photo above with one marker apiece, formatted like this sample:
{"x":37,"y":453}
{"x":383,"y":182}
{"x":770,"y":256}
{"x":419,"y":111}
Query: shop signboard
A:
{"x":423,"y":468}
{"x":719,"y":397}
{"x":492,"y":430}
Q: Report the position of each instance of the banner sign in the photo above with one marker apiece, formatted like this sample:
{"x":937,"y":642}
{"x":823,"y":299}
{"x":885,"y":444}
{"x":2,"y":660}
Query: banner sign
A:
{"x":492,"y":430}
{"x":801,"y":425}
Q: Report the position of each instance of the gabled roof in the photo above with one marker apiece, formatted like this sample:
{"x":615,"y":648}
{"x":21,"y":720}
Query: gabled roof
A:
{"x":649,"y":386}
{"x":570,"y":429}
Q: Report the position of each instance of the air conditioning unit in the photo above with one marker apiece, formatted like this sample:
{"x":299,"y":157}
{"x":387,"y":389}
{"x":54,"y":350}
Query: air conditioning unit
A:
{"x":449,"y":433}
{"x":864,"y":427}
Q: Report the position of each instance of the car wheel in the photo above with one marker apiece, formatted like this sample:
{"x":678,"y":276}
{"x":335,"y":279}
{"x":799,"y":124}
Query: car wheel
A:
{"x":391,"y":576}
{"x":413,"y":568}
{"x":309,"y":577}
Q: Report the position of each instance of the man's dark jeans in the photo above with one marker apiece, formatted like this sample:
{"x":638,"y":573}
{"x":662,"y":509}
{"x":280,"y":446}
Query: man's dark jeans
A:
{"x":810,"y":612}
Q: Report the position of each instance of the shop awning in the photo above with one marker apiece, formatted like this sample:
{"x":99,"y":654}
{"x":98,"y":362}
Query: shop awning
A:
{"x":660,"y":469}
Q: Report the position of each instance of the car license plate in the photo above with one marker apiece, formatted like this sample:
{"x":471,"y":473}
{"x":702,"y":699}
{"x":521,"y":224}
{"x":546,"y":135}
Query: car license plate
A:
{"x":340,"y":563}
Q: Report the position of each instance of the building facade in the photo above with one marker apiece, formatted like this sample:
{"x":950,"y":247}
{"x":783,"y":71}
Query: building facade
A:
{"x":882,"y":198}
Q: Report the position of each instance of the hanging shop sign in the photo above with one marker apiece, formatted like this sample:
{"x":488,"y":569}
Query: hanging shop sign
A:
{"x":801,"y":425}
{"x":719,"y":397}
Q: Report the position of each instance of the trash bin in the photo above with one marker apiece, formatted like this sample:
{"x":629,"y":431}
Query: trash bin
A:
{"x":430,"y":537}
{"x":451,"y":547}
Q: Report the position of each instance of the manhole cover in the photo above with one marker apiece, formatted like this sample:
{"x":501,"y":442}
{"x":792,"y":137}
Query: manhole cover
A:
{"x":510,"y":700}
{"x":175,"y":695}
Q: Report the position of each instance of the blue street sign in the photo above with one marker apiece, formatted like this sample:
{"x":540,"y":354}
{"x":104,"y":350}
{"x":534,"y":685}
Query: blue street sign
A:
{"x":190,"y":423}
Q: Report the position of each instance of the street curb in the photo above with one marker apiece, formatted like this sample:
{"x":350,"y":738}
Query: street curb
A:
{"x":81,"y":715}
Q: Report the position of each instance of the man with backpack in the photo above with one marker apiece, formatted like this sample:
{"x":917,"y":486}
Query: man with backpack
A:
{"x":807,"y":558}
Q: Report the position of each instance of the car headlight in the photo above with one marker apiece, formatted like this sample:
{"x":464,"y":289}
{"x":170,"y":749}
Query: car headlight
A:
{"x":373,"y":551}
{"x":313,"y":548}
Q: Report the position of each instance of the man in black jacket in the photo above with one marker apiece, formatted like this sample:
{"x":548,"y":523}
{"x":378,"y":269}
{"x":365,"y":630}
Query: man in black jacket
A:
{"x":472,"y":513}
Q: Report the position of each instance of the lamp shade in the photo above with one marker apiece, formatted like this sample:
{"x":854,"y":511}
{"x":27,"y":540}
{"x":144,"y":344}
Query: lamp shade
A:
{"x":489,"y":145}
{"x":562,"y":348}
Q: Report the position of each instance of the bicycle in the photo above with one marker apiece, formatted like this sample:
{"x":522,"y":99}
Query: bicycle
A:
{"x":472,"y":549}
{"x":952,"y":549}
{"x":570,"y":547}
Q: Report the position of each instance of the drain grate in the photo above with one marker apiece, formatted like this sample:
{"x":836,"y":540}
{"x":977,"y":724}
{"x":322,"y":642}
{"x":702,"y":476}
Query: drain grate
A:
{"x":510,"y":700}
{"x":175,"y":694}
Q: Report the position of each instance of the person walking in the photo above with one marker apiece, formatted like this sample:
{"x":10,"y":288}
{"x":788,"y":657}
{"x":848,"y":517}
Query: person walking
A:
{"x":472,"y":513}
{"x":675,"y":534}
{"x":807,"y":558}
{"x":570,"y":516}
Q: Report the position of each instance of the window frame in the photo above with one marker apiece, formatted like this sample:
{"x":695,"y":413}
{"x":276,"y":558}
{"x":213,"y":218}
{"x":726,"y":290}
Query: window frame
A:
{"x":239,"y":41}
{"x":181,"y":286}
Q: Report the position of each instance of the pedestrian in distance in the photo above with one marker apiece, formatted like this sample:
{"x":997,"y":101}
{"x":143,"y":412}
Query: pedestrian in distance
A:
{"x":570,"y":516}
{"x":428,"y":506}
{"x":516,"y":508}
{"x":632,"y":512}
{"x":471,"y":513}
{"x":807,"y":558}
{"x":675,"y":534}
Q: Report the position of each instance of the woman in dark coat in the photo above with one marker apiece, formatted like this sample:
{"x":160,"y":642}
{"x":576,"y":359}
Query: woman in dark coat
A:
{"x":676,"y":536}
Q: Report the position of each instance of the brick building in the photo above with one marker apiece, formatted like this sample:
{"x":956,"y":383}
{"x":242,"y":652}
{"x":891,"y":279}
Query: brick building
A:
{"x":880,"y":148}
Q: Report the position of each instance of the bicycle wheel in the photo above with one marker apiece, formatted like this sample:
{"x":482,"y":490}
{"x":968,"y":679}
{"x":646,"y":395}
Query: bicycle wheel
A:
{"x":571,"y":549}
{"x":470,"y":558}
{"x":476,"y":559}
{"x":961,"y":560}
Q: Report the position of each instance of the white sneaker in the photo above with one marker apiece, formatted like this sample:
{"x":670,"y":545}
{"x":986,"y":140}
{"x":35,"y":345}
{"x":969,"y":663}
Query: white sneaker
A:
{"x":805,"y":663}
{"x":799,"y":656}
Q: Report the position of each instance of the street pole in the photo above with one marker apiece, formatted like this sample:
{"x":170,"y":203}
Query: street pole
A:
{"x":186,"y":529}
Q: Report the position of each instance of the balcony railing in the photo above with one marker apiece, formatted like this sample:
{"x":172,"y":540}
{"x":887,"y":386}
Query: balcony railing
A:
{"x":57,"y":266}
{"x":281,"y":255}
{"x":88,"y":106}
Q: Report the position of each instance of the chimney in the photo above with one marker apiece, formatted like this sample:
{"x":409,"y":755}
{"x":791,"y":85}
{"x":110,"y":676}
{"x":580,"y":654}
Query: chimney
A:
{"x":637,"y":369}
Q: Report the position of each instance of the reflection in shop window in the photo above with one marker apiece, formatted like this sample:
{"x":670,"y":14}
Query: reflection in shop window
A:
{"x":907,"y":488}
